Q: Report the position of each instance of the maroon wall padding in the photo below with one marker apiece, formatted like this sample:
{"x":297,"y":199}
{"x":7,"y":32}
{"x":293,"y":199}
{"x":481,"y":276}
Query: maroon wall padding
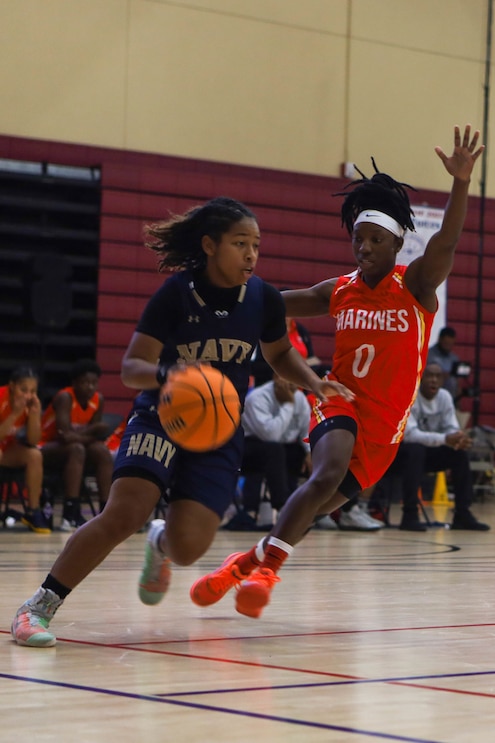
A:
{"x":302,"y":243}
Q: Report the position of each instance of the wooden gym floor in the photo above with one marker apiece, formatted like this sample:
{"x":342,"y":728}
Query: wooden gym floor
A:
{"x":385,"y":636}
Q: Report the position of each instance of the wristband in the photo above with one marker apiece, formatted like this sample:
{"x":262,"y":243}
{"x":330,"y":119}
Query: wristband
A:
{"x":161,"y":373}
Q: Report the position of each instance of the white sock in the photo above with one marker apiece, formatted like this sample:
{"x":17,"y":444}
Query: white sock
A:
{"x":281,"y":545}
{"x":157,"y":539}
{"x":260,"y":550}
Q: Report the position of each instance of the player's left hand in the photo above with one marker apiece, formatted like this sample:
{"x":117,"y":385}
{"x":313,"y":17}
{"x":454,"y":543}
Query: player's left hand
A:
{"x":460,"y":164}
{"x":327,"y":388}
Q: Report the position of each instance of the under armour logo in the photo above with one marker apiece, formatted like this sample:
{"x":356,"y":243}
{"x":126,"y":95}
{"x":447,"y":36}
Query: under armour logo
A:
{"x":193,"y":318}
{"x":221,"y":313}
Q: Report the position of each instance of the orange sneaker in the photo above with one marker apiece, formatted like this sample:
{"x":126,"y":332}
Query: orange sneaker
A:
{"x":212,"y":587}
{"x":254,"y":592}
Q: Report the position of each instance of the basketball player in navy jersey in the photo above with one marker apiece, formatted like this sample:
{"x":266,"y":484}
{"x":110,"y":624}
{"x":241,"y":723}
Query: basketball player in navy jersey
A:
{"x":213,"y":309}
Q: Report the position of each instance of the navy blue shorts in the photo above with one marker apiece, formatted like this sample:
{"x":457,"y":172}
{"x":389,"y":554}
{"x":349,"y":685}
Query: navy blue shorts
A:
{"x":209,"y":477}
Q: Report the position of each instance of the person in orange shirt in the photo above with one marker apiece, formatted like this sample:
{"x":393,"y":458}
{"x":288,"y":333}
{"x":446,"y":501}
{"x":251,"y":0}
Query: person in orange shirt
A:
{"x":20,"y":430}
{"x":73,"y":436}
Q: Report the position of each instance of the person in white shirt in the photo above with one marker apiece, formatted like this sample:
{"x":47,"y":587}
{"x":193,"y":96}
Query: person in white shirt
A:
{"x":442,"y":354}
{"x":275,"y":421}
{"x":433,"y":442}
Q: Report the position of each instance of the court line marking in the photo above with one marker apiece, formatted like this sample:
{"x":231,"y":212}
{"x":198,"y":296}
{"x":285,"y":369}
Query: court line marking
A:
{"x":224,"y":710}
{"x":309,"y":634}
{"x":350,"y":679}
{"x":408,"y":681}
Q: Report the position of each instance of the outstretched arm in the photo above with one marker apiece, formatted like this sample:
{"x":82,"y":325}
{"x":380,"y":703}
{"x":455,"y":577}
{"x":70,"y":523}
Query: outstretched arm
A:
{"x":426,"y":273}
{"x":290,"y":365}
{"x":309,"y":302}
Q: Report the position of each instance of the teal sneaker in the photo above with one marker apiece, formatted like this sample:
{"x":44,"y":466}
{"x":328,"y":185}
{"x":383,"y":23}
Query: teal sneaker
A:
{"x":30,"y":625}
{"x":156,"y":573}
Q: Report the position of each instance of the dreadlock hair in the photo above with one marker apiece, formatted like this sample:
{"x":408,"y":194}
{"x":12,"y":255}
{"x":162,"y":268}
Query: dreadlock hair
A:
{"x":379,"y":192}
{"x":178,"y":240}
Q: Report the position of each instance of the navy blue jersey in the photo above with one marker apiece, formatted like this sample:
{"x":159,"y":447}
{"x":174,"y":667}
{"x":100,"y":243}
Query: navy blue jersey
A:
{"x":198,"y":322}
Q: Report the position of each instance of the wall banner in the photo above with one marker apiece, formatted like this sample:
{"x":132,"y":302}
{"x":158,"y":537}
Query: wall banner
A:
{"x":427,"y":221}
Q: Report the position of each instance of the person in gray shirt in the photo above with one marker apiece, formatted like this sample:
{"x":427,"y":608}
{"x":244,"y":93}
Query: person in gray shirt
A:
{"x":433,"y":442}
{"x":443,"y":355}
{"x":276,"y":422}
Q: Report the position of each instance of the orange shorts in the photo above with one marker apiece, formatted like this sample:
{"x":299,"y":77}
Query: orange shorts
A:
{"x":370,"y":459}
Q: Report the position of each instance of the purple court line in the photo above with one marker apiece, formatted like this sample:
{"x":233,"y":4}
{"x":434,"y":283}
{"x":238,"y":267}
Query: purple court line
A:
{"x":398,"y":681}
{"x":224,"y":710}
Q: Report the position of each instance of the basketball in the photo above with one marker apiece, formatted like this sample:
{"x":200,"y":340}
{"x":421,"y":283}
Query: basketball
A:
{"x":199,"y":408}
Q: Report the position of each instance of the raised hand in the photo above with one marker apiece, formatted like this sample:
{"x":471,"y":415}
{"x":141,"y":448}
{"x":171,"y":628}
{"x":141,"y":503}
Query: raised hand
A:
{"x":460,"y":164}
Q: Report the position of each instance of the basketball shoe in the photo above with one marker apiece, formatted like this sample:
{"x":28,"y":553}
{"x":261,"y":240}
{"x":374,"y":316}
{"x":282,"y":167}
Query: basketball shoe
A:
{"x":156,"y":574}
{"x":72,"y":522}
{"x":212,"y":587}
{"x":35,"y":520}
{"x":254,"y":593}
{"x":30,"y":625}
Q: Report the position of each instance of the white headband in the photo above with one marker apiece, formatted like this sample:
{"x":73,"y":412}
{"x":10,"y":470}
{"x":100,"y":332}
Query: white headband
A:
{"x":382,"y":220}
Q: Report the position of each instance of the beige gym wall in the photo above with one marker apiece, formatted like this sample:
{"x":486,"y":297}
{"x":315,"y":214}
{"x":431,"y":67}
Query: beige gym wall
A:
{"x":298,"y":85}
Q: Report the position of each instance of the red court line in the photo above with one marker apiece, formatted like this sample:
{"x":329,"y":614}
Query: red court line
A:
{"x":311,"y":634}
{"x":272,"y":666}
{"x":237,"y":638}
{"x":290,"y":669}
{"x":444,"y":688}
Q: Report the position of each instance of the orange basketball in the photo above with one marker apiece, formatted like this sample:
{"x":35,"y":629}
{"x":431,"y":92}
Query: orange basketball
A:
{"x":199,"y":408}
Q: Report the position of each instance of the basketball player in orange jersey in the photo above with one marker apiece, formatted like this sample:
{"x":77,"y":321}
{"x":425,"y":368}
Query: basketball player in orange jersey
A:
{"x":384,"y":313}
{"x":212,"y":309}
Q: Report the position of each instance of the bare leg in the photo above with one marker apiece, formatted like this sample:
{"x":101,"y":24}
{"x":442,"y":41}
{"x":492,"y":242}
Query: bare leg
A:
{"x":30,"y":458}
{"x":70,"y":457}
{"x":130,"y":503}
{"x":331,"y":456}
{"x":190,"y":530}
{"x":101,"y":459}
{"x":319,"y":494}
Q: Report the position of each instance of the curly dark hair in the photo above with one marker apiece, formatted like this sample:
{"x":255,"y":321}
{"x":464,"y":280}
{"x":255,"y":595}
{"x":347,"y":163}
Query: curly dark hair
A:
{"x":178,"y":240}
{"x":379,"y":192}
{"x":85,"y":366}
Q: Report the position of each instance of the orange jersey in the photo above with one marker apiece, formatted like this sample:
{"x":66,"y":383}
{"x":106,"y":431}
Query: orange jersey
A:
{"x":296,"y":339}
{"x":113,"y":441}
{"x":5,"y":411}
{"x":381,"y":344}
{"x":79,"y":416}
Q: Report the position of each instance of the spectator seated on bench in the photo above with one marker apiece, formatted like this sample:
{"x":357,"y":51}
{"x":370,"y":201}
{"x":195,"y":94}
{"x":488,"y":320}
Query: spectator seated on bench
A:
{"x":275,"y":420}
{"x":73,"y":440}
{"x":433,"y":442}
{"x":20,"y":430}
